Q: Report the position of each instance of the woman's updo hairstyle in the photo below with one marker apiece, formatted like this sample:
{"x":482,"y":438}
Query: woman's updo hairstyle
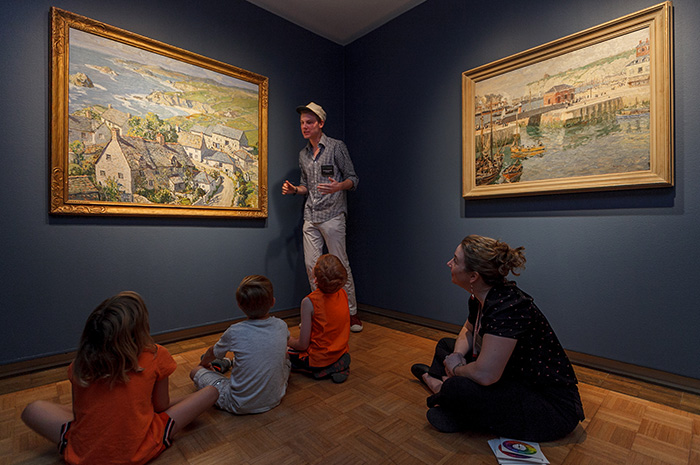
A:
{"x":491,"y":258}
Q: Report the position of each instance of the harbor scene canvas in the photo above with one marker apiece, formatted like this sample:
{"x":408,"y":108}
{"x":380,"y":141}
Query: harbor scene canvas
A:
{"x":582,"y":113}
{"x":154,"y":130}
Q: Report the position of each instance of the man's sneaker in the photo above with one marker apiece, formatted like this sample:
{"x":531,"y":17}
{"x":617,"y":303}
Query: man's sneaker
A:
{"x":355,"y":324}
{"x":221,"y":364}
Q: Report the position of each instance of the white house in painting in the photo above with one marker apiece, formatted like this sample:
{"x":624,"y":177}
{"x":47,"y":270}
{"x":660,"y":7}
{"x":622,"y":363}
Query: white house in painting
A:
{"x":220,"y":161}
{"x":221,"y":138}
{"x":135,"y":164}
{"x":116,"y":119}
{"x":193,"y":144}
{"x":87,"y":130}
{"x":113,"y":164}
{"x":204,"y":182}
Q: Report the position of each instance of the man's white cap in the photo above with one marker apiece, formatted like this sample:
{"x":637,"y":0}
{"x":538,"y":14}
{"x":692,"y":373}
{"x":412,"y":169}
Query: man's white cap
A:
{"x":315,"y":109}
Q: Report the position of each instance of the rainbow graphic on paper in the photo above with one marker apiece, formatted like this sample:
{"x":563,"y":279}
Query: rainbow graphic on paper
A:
{"x":516,"y":449}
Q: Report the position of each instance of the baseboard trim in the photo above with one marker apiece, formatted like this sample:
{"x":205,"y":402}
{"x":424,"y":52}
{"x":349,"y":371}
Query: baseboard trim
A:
{"x":628,"y":370}
{"x":55,"y":361}
{"x":419,"y":320}
{"x":649,"y":375}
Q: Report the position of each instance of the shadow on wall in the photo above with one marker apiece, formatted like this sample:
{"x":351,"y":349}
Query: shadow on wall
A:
{"x":289,"y":210}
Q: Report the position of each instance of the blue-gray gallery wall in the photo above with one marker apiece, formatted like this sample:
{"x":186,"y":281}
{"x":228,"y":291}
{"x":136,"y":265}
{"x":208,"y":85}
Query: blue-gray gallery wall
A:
{"x":57,"y":269}
{"x":615,"y":272}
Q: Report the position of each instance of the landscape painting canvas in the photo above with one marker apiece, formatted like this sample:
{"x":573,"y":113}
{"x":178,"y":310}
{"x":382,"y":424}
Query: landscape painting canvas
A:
{"x":142,"y":128}
{"x":581,"y":113}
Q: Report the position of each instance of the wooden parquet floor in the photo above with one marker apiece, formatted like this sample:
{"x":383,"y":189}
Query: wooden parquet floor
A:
{"x":378,"y":416}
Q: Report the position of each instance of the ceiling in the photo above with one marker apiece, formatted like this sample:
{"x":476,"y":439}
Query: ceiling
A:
{"x":341,"y":21}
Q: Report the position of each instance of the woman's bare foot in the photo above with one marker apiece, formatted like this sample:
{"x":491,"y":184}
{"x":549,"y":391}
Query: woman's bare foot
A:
{"x":433,"y":384}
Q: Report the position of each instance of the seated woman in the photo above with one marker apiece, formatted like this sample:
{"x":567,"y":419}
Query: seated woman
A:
{"x":506,"y":373}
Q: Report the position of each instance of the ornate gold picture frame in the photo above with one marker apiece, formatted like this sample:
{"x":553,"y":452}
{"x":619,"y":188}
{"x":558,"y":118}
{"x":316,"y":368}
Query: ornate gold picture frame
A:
{"x":142,"y":128}
{"x":591,"y":111}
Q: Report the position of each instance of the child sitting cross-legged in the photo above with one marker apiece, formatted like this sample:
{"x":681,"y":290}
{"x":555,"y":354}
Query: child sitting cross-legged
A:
{"x":321,"y":349}
{"x":121,"y":411}
{"x":260,"y":366}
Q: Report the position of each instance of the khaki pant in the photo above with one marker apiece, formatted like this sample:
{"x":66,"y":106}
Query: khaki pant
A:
{"x":332,"y":234}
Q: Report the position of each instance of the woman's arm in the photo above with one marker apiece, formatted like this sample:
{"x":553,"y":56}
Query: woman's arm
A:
{"x":161,"y":395}
{"x":493,"y":358}
{"x":307,"y":313}
{"x":463,"y":344}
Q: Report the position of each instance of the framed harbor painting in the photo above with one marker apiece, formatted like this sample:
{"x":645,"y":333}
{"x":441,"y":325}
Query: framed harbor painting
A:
{"x":142,"y":128}
{"x":591,"y":111}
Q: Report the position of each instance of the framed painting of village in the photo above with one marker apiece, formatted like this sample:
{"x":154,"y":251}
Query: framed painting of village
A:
{"x":142,"y":128}
{"x":591,"y":111}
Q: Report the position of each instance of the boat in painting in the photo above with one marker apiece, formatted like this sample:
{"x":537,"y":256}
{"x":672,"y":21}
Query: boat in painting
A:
{"x":632,"y":112}
{"x":512,"y":172}
{"x":522,"y":151}
{"x":488,"y":167}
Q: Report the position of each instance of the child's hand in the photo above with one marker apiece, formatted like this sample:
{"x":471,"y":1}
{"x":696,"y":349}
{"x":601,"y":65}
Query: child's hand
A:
{"x":207,"y":358}
{"x":292,"y":343}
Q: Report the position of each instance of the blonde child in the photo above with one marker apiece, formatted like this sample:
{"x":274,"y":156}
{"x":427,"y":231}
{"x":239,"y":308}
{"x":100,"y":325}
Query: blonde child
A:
{"x":260,"y":366}
{"x":121,"y":411}
{"x":322,"y":346}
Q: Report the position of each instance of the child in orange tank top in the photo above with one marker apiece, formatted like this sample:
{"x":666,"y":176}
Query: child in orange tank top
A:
{"x":121,"y":410}
{"x":321,"y":349}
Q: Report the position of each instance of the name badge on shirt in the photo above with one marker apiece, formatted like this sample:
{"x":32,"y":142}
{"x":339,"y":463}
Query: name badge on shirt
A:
{"x":327,"y":170}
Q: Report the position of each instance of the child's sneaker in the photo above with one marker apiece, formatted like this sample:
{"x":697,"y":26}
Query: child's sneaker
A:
{"x":355,"y":324}
{"x":221,"y":365}
{"x":339,"y":377}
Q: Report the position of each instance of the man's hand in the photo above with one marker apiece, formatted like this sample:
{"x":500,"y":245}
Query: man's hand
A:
{"x":289,"y":188}
{"x":330,"y":187}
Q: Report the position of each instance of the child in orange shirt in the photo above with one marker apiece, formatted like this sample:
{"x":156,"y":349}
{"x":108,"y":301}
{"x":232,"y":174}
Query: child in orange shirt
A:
{"x":121,"y":411}
{"x":322,"y":346}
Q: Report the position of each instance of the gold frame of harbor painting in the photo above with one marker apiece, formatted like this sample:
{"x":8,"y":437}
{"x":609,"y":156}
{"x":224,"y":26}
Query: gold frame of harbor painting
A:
{"x":142,"y":128}
{"x":592,"y":111}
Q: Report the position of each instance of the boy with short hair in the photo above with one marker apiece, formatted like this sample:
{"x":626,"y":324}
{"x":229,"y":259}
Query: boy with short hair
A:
{"x":260,"y":366}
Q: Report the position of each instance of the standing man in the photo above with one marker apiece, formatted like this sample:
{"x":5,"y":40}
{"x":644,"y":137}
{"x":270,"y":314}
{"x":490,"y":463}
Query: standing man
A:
{"x":326,"y":174}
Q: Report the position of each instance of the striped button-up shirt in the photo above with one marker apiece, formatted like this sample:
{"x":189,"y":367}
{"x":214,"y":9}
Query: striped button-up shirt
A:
{"x":332,"y":161}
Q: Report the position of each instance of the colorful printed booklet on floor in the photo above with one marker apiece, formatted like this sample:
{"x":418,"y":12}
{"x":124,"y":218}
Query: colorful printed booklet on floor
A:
{"x":516,"y":452}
